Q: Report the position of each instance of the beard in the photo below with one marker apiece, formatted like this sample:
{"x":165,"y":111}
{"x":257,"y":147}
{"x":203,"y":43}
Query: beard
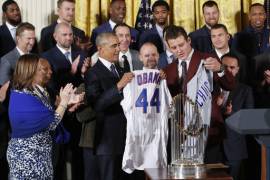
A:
{"x":15,"y":22}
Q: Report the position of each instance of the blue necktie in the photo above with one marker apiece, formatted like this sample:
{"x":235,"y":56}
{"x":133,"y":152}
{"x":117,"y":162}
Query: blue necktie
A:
{"x":113,"y":70}
{"x":67,"y":55}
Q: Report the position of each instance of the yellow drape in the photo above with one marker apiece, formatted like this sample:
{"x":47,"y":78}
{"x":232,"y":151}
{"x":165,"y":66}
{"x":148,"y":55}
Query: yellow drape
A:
{"x":187,"y":13}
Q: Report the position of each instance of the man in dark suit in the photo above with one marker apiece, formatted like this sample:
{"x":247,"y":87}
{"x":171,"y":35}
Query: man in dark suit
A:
{"x":188,"y":61}
{"x":66,"y":12}
{"x":261,"y":85}
{"x":128,"y":58}
{"x":241,"y":97}
{"x":12,"y":16}
{"x":254,"y":39}
{"x":104,"y":83}
{"x":66,"y":63}
{"x":220,"y":39}
{"x":117,"y":11}
{"x":200,"y":39}
{"x":161,"y":11}
{"x":25,"y":38}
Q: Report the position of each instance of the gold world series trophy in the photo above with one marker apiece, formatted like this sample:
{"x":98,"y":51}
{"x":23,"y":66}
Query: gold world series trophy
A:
{"x":188,"y":140}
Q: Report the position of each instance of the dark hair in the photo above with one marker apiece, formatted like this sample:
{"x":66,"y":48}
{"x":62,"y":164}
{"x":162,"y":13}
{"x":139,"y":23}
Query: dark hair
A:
{"x":25,"y":71}
{"x":256,"y":4}
{"x":220,"y":26}
{"x":113,"y":1}
{"x":120,"y":25}
{"x":231,"y":55}
{"x":160,"y":3}
{"x":7,"y":3}
{"x":60,"y":2}
{"x":24,"y":26}
{"x":173,"y":32}
{"x":209,"y":4}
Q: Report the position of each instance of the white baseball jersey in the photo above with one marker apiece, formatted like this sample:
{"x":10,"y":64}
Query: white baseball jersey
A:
{"x":146,"y":107}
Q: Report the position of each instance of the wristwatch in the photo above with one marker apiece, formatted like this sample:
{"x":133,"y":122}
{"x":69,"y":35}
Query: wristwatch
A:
{"x":222,"y":68}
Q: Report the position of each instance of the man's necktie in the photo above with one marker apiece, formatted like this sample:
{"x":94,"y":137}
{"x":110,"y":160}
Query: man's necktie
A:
{"x":126,"y":64}
{"x":67,"y":54}
{"x":113,"y":70}
{"x":13,"y":33}
{"x":184,"y":75}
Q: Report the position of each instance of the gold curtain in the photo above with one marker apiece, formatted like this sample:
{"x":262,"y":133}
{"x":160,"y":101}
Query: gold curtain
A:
{"x":187,"y":13}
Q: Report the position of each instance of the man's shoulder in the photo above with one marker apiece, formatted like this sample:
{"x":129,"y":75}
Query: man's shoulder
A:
{"x":49,"y":53}
{"x":105,"y":27}
{"x":199,"y":32}
{"x":3,"y":27}
{"x":77,"y":30}
{"x":49,"y":28}
{"x":11,"y":54}
{"x":133,"y":52}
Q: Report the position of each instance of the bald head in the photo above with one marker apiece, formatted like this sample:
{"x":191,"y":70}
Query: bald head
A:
{"x":63,"y":35}
{"x":149,"y":55}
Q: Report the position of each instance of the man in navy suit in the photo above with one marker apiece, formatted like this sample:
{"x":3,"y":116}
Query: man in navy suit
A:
{"x":12,"y":15}
{"x":66,"y":12}
{"x":200,"y":39}
{"x":104,"y":83}
{"x":161,"y":11}
{"x":117,"y":15}
{"x":66,"y":63}
{"x":254,"y":39}
{"x":241,"y":97}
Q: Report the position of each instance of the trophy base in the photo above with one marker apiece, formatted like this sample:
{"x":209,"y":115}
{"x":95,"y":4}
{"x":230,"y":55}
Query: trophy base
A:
{"x":184,"y":171}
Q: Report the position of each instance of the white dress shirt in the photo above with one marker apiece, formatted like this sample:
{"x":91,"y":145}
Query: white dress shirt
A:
{"x":187,"y":61}
{"x":12,"y":30}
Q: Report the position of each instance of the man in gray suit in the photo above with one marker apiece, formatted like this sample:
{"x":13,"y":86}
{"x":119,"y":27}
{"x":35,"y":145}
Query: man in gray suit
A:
{"x":25,"y":40}
{"x":128,"y":58}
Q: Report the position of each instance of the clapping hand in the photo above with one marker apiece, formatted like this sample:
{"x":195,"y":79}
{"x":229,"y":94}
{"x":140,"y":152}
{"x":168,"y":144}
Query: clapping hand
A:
{"x":3,"y":91}
{"x":74,"y":65}
{"x":86,"y":65}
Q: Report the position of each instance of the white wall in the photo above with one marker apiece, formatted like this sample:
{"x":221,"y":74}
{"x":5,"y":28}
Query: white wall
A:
{"x":40,"y":13}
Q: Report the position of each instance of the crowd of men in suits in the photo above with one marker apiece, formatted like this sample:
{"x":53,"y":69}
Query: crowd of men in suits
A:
{"x":240,"y":64}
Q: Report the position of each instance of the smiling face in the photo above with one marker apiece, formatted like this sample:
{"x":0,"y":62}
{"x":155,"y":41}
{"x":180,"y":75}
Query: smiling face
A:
{"x":220,"y":38}
{"x":110,"y":50}
{"x":149,"y":55}
{"x":257,"y":17}
{"x":124,"y":37}
{"x":26,"y":40}
{"x":13,"y":14}
{"x":211,"y":15}
{"x":118,"y":11}
{"x":43,"y":73}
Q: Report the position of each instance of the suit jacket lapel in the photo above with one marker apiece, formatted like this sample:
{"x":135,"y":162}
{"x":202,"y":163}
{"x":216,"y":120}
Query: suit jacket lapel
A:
{"x":106,"y":71}
{"x":61,"y":57}
{"x":7,"y":32}
{"x":193,"y":65}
